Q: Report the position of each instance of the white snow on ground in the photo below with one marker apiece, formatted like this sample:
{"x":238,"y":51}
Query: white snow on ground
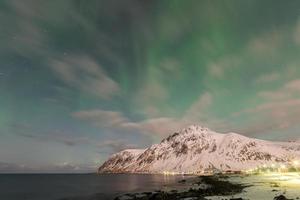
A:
{"x":266,"y":186}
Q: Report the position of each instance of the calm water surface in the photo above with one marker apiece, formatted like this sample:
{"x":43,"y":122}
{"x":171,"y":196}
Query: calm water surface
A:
{"x":79,"y":186}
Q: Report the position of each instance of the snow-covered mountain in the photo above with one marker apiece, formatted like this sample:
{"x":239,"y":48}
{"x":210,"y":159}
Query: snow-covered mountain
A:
{"x":197,"y":149}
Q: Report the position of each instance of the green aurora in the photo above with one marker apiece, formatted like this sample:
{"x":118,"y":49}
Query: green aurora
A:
{"x":80,"y":80}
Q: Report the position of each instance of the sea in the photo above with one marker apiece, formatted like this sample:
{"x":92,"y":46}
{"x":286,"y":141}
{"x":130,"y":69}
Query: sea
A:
{"x":80,"y":186}
{"x":109,"y":186}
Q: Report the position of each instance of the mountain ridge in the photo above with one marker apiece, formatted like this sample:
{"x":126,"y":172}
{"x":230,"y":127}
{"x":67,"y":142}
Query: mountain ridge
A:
{"x":197,"y":149}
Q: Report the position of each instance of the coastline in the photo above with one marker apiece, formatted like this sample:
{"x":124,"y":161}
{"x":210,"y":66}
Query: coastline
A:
{"x":195,"y":187}
{"x":220,"y":187}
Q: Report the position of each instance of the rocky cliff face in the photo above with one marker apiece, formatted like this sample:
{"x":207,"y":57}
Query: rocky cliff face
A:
{"x":197,"y":149}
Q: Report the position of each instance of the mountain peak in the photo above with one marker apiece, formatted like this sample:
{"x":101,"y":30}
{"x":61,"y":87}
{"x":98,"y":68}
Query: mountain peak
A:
{"x":190,"y":131}
{"x":195,"y":127}
{"x":195,"y":130}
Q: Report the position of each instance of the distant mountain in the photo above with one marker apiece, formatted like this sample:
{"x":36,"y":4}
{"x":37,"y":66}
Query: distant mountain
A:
{"x":197,"y":149}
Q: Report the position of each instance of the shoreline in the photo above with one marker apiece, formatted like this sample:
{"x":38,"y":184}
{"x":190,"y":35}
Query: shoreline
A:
{"x":216,"y":187}
{"x":194,"y":187}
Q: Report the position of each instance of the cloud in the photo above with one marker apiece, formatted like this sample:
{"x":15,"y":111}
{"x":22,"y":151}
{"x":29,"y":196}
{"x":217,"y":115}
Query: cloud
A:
{"x":197,"y":109}
{"x":23,"y":36}
{"x":157,"y":126}
{"x":101,"y":118}
{"x":297,"y":33}
{"x":216,"y":70}
{"x":150,"y":96}
{"x":267,"y":43}
{"x":274,"y":95}
{"x":198,"y":113}
{"x":84,"y":73}
{"x":117,"y":121}
{"x":286,"y":92}
{"x":267,"y":78}
{"x":279,"y":110}
{"x":65,"y":167}
{"x":12,"y":167}
{"x":172,"y":67}
{"x":161,"y":126}
{"x":71,"y":140}
{"x":153,"y":94}
{"x":272,"y":116}
{"x":293,"y":86}
{"x":26,"y":130}
{"x":61,"y":138}
{"x":34,"y":30}
{"x":116,"y":145}
{"x":220,"y":68}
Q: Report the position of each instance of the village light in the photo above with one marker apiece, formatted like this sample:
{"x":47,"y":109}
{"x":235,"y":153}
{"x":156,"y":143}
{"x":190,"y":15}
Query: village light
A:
{"x":272,"y":165}
{"x":296,"y":162}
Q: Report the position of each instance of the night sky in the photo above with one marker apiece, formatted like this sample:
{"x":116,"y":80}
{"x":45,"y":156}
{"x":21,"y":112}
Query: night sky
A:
{"x":80,"y":80}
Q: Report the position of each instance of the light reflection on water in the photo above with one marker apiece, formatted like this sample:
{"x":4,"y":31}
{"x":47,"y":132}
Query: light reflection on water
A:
{"x":53,"y":187}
